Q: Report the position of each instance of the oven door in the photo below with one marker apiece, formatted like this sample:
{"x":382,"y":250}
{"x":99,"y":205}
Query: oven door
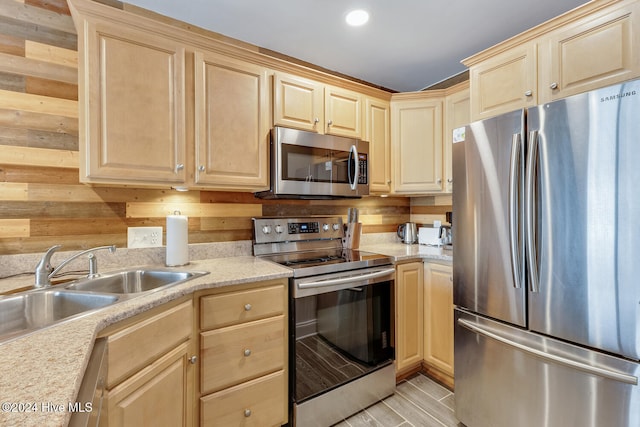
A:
{"x":307,"y":164}
{"x":340,"y":329}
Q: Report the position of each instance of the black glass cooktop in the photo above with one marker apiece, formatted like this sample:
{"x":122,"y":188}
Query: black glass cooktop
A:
{"x":308,"y":263}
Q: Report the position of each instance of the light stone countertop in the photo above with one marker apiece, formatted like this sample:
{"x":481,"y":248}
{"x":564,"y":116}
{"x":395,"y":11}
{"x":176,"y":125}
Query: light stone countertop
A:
{"x":45,"y":368}
{"x":403,"y":252}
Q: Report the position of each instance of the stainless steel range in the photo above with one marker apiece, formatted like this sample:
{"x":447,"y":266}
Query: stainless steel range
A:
{"x":340,"y":345}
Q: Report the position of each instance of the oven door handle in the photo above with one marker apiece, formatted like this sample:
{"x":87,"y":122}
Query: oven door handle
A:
{"x":342,"y":280}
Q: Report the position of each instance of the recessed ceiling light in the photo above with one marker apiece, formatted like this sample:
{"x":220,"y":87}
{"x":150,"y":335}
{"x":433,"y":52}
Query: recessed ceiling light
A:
{"x":357,"y":17}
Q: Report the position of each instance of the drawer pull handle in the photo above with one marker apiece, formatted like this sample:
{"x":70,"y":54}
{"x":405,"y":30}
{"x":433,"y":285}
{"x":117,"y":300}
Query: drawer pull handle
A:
{"x":247,"y":352}
{"x":247,"y":413}
{"x":247,"y":307}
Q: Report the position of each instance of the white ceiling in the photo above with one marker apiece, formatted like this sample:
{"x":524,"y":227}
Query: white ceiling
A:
{"x":407,"y":45}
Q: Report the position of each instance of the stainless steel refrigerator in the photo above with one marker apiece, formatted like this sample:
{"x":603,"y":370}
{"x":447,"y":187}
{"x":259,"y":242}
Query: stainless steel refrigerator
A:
{"x":546,"y":263}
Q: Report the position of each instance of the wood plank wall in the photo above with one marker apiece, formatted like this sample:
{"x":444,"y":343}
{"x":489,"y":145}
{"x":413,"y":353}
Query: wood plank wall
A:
{"x":42,"y":202}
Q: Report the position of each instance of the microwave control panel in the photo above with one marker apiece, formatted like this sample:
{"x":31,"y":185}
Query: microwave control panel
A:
{"x":362,"y":165}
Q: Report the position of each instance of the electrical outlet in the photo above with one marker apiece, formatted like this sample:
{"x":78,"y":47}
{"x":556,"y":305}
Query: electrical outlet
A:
{"x":144,"y":237}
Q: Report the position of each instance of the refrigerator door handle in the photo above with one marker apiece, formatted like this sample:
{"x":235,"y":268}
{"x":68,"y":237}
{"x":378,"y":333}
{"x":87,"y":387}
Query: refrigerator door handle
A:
{"x":517,"y":255}
{"x":574,"y":364}
{"x":530,"y":220}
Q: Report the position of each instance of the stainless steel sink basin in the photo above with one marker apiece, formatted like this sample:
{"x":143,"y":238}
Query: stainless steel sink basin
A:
{"x":133,"y":281}
{"x":33,"y":310}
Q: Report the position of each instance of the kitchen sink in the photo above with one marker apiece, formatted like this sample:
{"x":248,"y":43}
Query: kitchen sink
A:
{"x":133,"y":281}
{"x":33,"y":310}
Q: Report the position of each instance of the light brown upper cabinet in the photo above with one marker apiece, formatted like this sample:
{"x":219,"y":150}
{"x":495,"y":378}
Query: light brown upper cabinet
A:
{"x":231,"y":123}
{"x":298,"y":102}
{"x":309,"y":105}
{"x":590,"y":53}
{"x":132,"y":104}
{"x":342,"y":112}
{"x":457,"y":113}
{"x":378,"y":133}
{"x":416,"y":142}
{"x":589,"y":47}
{"x":504,"y":82}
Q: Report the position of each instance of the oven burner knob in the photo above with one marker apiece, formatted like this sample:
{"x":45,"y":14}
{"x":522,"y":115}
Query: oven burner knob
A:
{"x":336,"y":227}
{"x":266,"y":229}
{"x":325,"y":227}
{"x":279,"y":229}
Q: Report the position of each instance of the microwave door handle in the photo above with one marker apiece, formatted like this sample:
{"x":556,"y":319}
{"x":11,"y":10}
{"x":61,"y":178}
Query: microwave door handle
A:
{"x":353,"y":155}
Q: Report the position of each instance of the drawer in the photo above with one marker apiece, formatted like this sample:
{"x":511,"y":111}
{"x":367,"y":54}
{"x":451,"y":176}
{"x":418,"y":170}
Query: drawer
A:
{"x":242,"y":352}
{"x":217,"y":311}
{"x":259,"y":403}
{"x":137,"y":346}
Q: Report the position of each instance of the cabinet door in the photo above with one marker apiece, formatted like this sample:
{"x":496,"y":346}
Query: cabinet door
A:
{"x":457,"y":114}
{"x":503,"y":83}
{"x":593,"y":52}
{"x":377,"y":132}
{"x":417,"y":146}
{"x":409,"y":311}
{"x":342,"y":112}
{"x":438,"y":317}
{"x":232,"y":118}
{"x":159,"y":395}
{"x":132,"y":108}
{"x":298,"y":103}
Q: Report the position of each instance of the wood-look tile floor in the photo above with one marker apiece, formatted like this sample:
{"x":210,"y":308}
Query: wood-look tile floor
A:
{"x":418,"y":401}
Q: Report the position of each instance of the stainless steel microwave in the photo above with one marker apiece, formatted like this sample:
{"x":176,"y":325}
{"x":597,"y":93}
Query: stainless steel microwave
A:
{"x":307,"y":165}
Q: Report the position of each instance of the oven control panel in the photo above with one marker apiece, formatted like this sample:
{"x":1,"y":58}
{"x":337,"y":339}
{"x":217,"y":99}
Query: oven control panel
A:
{"x":272,"y":230}
{"x":304,"y":227}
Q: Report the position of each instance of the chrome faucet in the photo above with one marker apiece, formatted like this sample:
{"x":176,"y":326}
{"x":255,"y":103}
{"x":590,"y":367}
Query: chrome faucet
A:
{"x":45,"y":271}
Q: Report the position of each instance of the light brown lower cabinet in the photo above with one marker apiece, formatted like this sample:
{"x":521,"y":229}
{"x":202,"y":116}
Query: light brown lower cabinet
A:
{"x":252,"y":403}
{"x":438,"y":321}
{"x":158,"y":395}
{"x":409,"y":311}
{"x":243,"y":355}
{"x":150,"y":369}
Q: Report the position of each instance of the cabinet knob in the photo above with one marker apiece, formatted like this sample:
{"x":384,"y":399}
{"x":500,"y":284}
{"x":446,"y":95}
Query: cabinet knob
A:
{"x":389,"y":182}
{"x":247,"y":307}
{"x":450,"y":181}
{"x":528,"y":93}
{"x":179,"y":166}
{"x":451,"y":278}
{"x":439,"y":181}
{"x":247,"y":413}
{"x":316,"y":120}
{"x":247,"y":352}
{"x":553,"y":86}
{"x":201,"y":168}
{"x":193,"y":360}
{"x":330,"y":122}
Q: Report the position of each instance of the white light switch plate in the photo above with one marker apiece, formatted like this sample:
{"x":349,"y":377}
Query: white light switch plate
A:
{"x":144,"y":237}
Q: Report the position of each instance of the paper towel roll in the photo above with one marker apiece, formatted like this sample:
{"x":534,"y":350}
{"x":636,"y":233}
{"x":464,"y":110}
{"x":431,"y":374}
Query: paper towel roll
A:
{"x":177,"y":240}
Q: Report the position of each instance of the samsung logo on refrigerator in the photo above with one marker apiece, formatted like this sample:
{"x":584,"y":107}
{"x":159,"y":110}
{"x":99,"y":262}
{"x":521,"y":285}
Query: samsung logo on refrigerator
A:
{"x":617,"y":96}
